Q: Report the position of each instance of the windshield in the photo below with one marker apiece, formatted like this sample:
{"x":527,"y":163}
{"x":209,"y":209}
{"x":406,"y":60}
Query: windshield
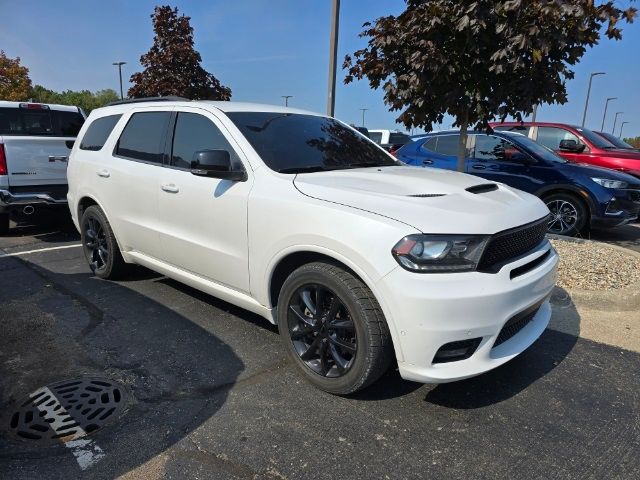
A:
{"x":534,"y":148}
{"x":618,"y":142}
{"x":295,"y":143}
{"x":595,"y":139}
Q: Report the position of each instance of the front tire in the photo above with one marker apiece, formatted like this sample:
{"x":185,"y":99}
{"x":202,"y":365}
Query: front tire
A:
{"x":100,"y":246}
{"x":569,"y":214}
{"x":333,"y":328}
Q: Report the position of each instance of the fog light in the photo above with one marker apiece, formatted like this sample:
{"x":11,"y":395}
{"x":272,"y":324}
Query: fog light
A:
{"x":613,"y":208}
{"x":455,"y":351}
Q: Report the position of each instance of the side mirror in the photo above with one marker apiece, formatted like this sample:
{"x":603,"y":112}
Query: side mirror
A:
{"x":217,"y":164}
{"x":571,"y":146}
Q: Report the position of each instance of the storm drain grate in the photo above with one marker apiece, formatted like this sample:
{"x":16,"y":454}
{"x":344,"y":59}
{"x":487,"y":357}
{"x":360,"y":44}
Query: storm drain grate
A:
{"x":68,"y":410}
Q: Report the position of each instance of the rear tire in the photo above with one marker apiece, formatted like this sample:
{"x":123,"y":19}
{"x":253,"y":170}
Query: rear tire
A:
{"x":4,"y":223}
{"x":100,"y":246}
{"x":569,"y":214}
{"x":342,"y":346}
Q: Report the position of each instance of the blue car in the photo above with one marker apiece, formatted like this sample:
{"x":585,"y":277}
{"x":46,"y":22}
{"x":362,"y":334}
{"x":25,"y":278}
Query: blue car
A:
{"x":578,"y":195}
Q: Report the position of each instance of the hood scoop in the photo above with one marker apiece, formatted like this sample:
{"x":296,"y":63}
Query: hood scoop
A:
{"x":427,"y":195}
{"x":482,"y":188}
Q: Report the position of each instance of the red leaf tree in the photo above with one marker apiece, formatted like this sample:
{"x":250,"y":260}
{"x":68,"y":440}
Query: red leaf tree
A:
{"x":172,"y":65}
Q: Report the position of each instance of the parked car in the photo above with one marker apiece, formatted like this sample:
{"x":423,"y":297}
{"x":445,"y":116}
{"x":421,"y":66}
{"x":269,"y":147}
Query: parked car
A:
{"x":577,"y":195}
{"x":35,"y":141}
{"x":390,"y":140}
{"x":355,"y":256}
{"x":617,"y":141}
{"x":577,"y":144}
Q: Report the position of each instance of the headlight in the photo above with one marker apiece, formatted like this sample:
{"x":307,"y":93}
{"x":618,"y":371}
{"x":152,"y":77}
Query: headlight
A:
{"x":608,"y":183}
{"x":440,"y":253}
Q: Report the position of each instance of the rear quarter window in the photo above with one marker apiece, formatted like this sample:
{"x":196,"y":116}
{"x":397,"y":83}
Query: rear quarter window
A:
{"x":98,"y":132}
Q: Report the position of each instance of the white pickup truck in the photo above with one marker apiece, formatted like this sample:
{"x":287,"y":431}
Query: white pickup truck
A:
{"x":35,"y":141}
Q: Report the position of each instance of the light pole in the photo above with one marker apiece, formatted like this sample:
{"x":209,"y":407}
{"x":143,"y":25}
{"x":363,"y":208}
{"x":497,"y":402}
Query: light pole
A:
{"x":622,"y":125}
{"x":286,"y":99}
{"x":363,"y":110}
{"x":586,"y":103}
{"x":605,"y":111}
{"x":333,"y":53}
{"x":119,"y":65}
{"x":615,"y":120}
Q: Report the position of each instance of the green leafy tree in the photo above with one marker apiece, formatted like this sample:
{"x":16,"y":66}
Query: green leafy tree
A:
{"x":479,"y":60}
{"x":84,"y":99}
{"x":14,"y":79}
{"x":172,"y":65}
{"x":634,"y":142}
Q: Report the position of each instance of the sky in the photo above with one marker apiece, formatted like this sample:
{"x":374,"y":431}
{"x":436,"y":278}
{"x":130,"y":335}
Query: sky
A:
{"x":263,"y":49}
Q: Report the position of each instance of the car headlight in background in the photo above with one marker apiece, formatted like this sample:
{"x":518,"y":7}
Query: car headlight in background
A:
{"x":440,"y":253}
{"x":608,"y":183}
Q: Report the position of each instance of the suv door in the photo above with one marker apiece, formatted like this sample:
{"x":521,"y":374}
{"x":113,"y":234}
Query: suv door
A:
{"x":203,"y":220}
{"x":551,"y":137}
{"x":496,"y":159}
{"x":127,"y":181}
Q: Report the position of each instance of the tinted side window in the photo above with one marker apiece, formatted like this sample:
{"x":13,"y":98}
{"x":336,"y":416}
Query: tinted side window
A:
{"x":490,"y":148}
{"x":447,"y":145}
{"x":66,"y":124}
{"x":430,"y":144}
{"x":96,"y":135}
{"x":399,"y":138}
{"x":143,"y":137}
{"x":195,"y":132}
{"x":513,"y":128}
{"x":376,"y":137}
{"x":550,"y":137}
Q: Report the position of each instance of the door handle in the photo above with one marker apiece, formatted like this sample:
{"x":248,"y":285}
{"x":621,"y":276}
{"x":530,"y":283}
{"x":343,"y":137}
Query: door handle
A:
{"x":170,"y":188}
{"x":58,"y":158}
{"x":427,"y":162}
{"x":103,"y":173}
{"x":477,"y":166}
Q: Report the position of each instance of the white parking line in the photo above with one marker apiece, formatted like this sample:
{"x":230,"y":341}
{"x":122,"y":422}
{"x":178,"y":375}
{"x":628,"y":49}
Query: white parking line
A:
{"x":28,"y":252}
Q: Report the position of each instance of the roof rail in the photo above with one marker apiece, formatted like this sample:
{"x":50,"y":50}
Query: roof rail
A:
{"x":169,"y":98}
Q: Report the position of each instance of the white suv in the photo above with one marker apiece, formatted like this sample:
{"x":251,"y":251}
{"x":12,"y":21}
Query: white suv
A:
{"x":297,"y":217}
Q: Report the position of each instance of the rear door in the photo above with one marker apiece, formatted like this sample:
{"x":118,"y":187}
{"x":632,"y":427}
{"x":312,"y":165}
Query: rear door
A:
{"x":37,"y":140}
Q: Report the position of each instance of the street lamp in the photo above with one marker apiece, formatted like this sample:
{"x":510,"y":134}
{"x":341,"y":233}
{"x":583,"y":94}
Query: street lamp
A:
{"x":119,"y":65}
{"x":586,"y":103}
{"x":286,"y":99}
{"x":333,"y":53}
{"x":622,"y":125}
{"x":615,"y":120}
{"x":363,"y":110}
{"x":605,"y":111}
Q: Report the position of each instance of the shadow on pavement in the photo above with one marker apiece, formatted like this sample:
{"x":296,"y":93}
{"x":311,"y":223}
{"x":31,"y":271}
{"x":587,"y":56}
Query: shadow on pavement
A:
{"x":65,"y":326}
{"x":53,"y":225}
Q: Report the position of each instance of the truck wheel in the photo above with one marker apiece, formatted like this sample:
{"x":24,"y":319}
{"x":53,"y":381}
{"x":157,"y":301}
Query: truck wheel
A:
{"x":333,"y":328}
{"x":4,"y":223}
{"x":569,"y":214}
{"x":100,"y":246}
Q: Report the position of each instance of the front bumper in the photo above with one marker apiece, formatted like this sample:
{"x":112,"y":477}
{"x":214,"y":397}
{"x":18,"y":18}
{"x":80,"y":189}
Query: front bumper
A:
{"x":431,"y":310}
{"x":622,"y":208}
{"x":17,"y":201}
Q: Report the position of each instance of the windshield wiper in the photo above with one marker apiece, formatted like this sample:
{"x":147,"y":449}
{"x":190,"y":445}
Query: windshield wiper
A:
{"x":308,"y":169}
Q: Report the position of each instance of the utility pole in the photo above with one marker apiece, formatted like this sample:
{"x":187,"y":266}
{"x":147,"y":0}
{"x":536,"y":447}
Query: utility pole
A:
{"x":622,"y":125}
{"x":586,"y":102}
{"x":363,"y":110}
{"x":605,"y":111}
{"x":333,"y":53}
{"x":119,"y":65}
{"x":286,"y":99}
{"x":615,"y":120}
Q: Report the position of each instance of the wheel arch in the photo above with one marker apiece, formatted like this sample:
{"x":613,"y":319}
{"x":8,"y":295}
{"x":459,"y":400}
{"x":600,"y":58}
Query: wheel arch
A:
{"x":85,"y":202}
{"x":578,"y":192}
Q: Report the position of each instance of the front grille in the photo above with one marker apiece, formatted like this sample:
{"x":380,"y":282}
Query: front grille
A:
{"x":517,"y":323}
{"x":509,"y":244}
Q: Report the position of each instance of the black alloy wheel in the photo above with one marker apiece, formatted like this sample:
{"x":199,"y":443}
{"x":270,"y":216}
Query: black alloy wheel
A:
{"x":95,"y":244}
{"x":322,"y":330}
{"x":100,"y":246}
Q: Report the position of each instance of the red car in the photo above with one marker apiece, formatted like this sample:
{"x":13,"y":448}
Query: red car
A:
{"x":577,"y":144}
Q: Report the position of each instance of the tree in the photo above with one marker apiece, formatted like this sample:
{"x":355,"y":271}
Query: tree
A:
{"x":14,"y":79}
{"x":479,"y":60}
{"x":634,"y":142}
{"x":84,"y":99}
{"x":172,"y":66}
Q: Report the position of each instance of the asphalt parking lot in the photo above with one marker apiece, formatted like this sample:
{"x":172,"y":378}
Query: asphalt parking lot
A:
{"x":210,"y":393}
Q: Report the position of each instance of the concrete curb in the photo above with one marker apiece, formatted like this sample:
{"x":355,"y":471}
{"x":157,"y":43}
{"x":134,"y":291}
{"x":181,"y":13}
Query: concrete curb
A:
{"x":617,"y":300}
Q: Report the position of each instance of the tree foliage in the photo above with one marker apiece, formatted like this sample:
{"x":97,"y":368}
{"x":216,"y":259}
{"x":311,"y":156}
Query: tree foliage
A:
{"x":14,"y":79}
{"x":84,"y":99}
{"x":479,"y":60}
{"x":172,"y":65}
{"x":634,"y":142}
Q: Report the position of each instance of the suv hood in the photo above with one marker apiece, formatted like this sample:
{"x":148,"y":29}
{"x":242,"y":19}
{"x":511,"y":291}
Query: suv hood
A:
{"x":430,"y":200}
